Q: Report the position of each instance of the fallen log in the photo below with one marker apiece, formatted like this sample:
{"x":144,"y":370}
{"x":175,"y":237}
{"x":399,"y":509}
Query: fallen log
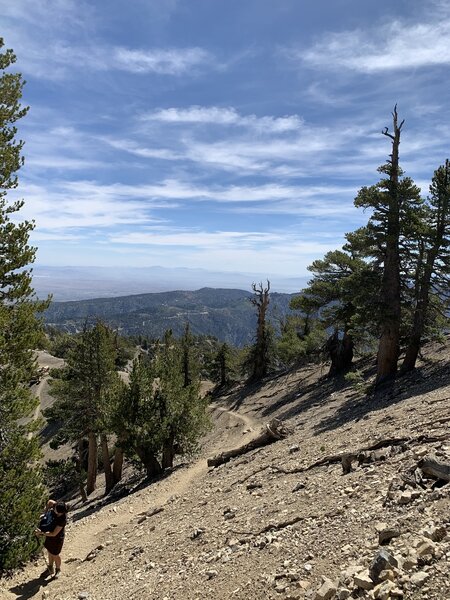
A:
{"x":272,"y":432}
{"x":438,"y":469}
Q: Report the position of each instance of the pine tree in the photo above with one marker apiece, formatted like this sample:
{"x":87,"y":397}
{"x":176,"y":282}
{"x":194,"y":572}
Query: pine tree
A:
{"x":222,"y":366}
{"x":429,"y":254}
{"x":21,"y":490}
{"x":261,"y":353}
{"x":158,"y":415}
{"x":393,"y":200}
{"x":187,"y":347}
{"x":136,"y":418}
{"x":302,"y":335}
{"x":85,"y":394}
{"x":342,"y":292}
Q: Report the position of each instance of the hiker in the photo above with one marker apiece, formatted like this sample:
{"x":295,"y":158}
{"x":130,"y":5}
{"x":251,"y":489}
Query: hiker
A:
{"x":52,"y":525}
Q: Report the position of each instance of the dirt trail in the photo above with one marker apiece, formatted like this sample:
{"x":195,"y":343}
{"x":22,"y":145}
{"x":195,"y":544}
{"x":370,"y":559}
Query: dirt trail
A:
{"x":156,"y":494}
{"x":85,"y":534}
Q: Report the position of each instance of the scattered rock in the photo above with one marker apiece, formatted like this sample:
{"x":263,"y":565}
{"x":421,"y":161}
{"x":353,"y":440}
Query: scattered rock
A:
{"x":383,"y":590}
{"x":382,"y":561}
{"x":436,"y":534}
{"x":386,"y":533}
{"x":93,"y":553}
{"x":363,"y":580}
{"x":298,"y":486}
{"x":419,"y":578}
{"x":254,"y":485}
{"x":229,"y":513}
{"x":327,"y":590}
{"x":405,"y":497}
{"x":426,"y":548}
{"x":197,"y":533}
{"x":211,"y":573}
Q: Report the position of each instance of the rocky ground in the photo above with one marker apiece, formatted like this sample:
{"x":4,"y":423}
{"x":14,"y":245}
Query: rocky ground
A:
{"x":282,"y":521}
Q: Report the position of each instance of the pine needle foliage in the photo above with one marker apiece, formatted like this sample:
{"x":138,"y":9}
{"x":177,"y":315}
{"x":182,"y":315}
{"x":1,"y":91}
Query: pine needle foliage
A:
{"x":21,"y":489}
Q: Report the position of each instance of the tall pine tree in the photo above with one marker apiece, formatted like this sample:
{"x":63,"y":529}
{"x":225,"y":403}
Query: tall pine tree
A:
{"x":85,"y":394}
{"x":429,"y":254}
{"x":21,"y":491}
{"x":393,"y":201}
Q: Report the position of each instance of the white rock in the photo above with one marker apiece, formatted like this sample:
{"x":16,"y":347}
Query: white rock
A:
{"x":327,"y":590}
{"x":419,"y":578}
{"x":212,"y":573}
{"x":363,"y":580}
{"x":383,"y":590}
{"x":426,"y":548}
{"x":405,"y":497}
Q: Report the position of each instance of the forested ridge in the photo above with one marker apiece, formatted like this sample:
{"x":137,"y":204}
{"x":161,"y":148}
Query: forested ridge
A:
{"x":223,"y":313}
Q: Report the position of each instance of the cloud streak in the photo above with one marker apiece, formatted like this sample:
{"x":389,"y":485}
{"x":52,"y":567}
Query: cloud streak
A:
{"x":213,"y":115}
{"x":171,"y":61}
{"x":387,"y":47}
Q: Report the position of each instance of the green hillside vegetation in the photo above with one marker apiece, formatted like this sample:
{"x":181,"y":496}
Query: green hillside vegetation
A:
{"x":222,"y":313}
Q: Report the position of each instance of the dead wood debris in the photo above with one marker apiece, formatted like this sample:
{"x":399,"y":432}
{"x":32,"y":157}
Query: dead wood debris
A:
{"x":377,"y":451}
{"x":272,"y":432}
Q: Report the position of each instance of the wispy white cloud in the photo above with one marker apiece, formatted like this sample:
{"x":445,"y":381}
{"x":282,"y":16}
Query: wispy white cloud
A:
{"x":195,"y":238}
{"x":133,"y":147}
{"x":171,"y":61}
{"x":61,"y":43}
{"x":46,"y":13}
{"x":272,"y":252}
{"x":214,"y":115}
{"x":76,"y":205}
{"x":386,"y":46}
{"x":57,"y":60}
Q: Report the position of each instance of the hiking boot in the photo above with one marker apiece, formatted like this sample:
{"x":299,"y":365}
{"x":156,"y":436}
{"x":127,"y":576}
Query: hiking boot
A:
{"x":57,"y":574}
{"x":49,"y":571}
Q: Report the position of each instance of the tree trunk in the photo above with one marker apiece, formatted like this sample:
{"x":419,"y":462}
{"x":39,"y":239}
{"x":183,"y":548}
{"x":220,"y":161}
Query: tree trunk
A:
{"x":261,"y":348}
{"x":92,"y":463}
{"x":389,"y":345}
{"x":168,"y":453}
{"x":341,"y":353}
{"x":223,"y":367}
{"x":79,"y":463}
{"x":109,"y":480}
{"x":272,"y":432}
{"x":150,"y":462}
{"x":117,"y":464}
{"x":424,"y":284}
{"x":415,"y":338}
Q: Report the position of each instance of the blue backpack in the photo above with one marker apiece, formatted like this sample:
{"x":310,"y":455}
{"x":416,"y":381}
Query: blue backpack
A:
{"x":47,"y":522}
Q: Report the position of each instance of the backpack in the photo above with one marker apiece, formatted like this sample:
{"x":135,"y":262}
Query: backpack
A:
{"x":47,"y":522}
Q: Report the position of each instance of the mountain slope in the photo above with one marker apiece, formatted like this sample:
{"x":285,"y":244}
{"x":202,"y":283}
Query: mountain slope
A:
{"x":224,"y":313}
{"x":275,"y":521}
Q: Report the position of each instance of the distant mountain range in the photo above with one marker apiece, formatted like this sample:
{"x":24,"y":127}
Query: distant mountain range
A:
{"x":226,"y":314}
{"x":81,"y":283}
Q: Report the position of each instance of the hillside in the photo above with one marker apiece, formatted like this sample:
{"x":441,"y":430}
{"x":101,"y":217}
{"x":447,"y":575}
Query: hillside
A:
{"x":276,"y":521}
{"x":223,"y":313}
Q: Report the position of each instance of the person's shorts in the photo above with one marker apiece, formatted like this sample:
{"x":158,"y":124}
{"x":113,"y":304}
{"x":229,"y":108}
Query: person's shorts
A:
{"x":54,"y":545}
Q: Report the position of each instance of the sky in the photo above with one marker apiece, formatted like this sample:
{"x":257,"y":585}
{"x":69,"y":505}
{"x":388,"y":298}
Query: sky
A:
{"x":219,"y":134}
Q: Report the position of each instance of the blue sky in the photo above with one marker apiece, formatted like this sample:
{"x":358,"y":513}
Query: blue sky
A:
{"x":219,"y":134}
